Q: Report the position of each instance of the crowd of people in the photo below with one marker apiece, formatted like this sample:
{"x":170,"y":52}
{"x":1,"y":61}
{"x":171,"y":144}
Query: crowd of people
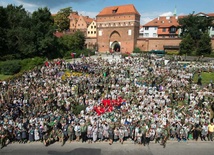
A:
{"x":134,"y":98}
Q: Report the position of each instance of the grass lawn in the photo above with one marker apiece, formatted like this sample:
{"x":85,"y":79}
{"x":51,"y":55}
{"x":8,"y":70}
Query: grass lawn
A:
{"x":4,"y":77}
{"x":206,"y":77}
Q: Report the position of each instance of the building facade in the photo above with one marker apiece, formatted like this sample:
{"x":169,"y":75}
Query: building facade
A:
{"x":79,"y":22}
{"x":118,"y":28}
{"x":161,"y":27}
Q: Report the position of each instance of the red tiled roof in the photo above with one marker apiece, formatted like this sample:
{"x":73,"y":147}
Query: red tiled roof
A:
{"x":88,"y":19}
{"x":211,"y":14}
{"x":74,"y":15}
{"x":163,"y":21}
{"x":122,"y":9}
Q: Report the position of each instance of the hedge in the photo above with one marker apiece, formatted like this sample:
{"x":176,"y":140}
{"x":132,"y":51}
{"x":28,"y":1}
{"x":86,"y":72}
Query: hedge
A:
{"x":10,"y":67}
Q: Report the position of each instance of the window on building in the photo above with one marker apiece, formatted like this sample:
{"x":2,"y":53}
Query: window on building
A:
{"x":171,"y":36}
{"x":146,"y":28}
{"x":155,"y":28}
{"x":130,"y":32}
{"x":95,"y":27}
{"x":212,"y":36}
{"x":82,"y":24}
{"x":78,"y":24}
{"x":91,"y":27}
{"x":146,"y":34}
{"x":94,"y":32}
{"x":100,"y":33}
{"x":172,"y":29}
{"x":91,"y":32}
{"x":88,"y":32}
{"x":164,"y":30}
{"x":163,"y":36}
{"x":154,"y":34}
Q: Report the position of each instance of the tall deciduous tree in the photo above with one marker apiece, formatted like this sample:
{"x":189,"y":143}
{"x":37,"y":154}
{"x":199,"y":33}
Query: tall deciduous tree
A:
{"x":73,"y":42}
{"x":43,"y":27}
{"x":195,"y":26}
{"x":61,"y":19}
{"x":19,"y":33}
{"x":3,"y":25}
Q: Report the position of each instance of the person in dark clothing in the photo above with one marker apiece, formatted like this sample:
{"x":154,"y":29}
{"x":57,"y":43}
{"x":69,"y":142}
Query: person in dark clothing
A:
{"x":83,"y":130}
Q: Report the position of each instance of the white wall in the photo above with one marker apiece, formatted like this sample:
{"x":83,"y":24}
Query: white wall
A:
{"x":150,"y":33}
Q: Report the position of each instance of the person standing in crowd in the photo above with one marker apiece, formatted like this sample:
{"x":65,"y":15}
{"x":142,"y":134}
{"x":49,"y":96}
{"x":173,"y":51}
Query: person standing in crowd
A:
{"x":36,"y":134}
{"x":2,"y":137}
{"x":94,"y":131}
{"x":64,"y":133}
{"x":111,"y":133}
{"x":89,"y":133}
{"x":121,"y":134}
{"x":211,"y":131}
{"x":143,"y":131}
{"x":83,"y":130}
{"x":31,"y":134}
{"x":204,"y":132}
{"x":148,"y":135}
{"x":71,"y":132}
{"x":165,"y":135}
{"x":77,"y":132}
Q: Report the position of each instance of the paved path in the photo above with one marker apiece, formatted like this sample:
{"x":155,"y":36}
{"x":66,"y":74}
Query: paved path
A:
{"x":103,"y":148}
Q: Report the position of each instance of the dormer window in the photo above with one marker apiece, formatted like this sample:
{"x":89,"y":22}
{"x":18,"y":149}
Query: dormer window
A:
{"x":114,"y":10}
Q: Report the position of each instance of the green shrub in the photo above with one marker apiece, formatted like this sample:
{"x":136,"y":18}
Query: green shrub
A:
{"x":137,"y":50}
{"x":30,"y":63}
{"x":7,"y":57}
{"x":10,"y":67}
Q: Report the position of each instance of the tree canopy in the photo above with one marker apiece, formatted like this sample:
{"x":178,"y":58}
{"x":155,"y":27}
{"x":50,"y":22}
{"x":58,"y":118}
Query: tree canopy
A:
{"x":61,"y":19}
{"x":194,"y":30}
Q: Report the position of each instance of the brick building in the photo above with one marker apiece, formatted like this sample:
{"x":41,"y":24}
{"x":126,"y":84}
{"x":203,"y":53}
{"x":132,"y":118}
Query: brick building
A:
{"x":118,"y":28}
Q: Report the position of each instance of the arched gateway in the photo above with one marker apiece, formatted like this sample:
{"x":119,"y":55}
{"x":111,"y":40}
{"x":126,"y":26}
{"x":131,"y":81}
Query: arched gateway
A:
{"x":115,"y":46}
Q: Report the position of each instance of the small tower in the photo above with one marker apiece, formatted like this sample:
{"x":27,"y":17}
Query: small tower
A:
{"x":175,"y":12}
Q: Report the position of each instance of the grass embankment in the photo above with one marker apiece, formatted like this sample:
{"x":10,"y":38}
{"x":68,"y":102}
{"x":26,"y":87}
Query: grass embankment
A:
{"x":206,"y":77}
{"x":4,"y":77}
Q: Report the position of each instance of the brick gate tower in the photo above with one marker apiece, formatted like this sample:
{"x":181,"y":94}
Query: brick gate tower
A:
{"x":118,"y":28}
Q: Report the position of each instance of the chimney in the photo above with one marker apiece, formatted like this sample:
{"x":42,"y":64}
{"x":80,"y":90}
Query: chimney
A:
{"x":158,"y":18}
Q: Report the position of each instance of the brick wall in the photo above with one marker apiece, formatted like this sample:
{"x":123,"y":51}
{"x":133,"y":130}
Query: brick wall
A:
{"x":148,"y":44}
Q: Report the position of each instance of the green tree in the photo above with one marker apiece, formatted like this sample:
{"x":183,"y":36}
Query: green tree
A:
{"x":43,"y":28}
{"x":194,"y":26}
{"x":204,"y":45}
{"x":72,"y":42}
{"x":19,"y":34}
{"x":3,"y":37}
{"x":187,"y":45}
{"x":61,"y":19}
